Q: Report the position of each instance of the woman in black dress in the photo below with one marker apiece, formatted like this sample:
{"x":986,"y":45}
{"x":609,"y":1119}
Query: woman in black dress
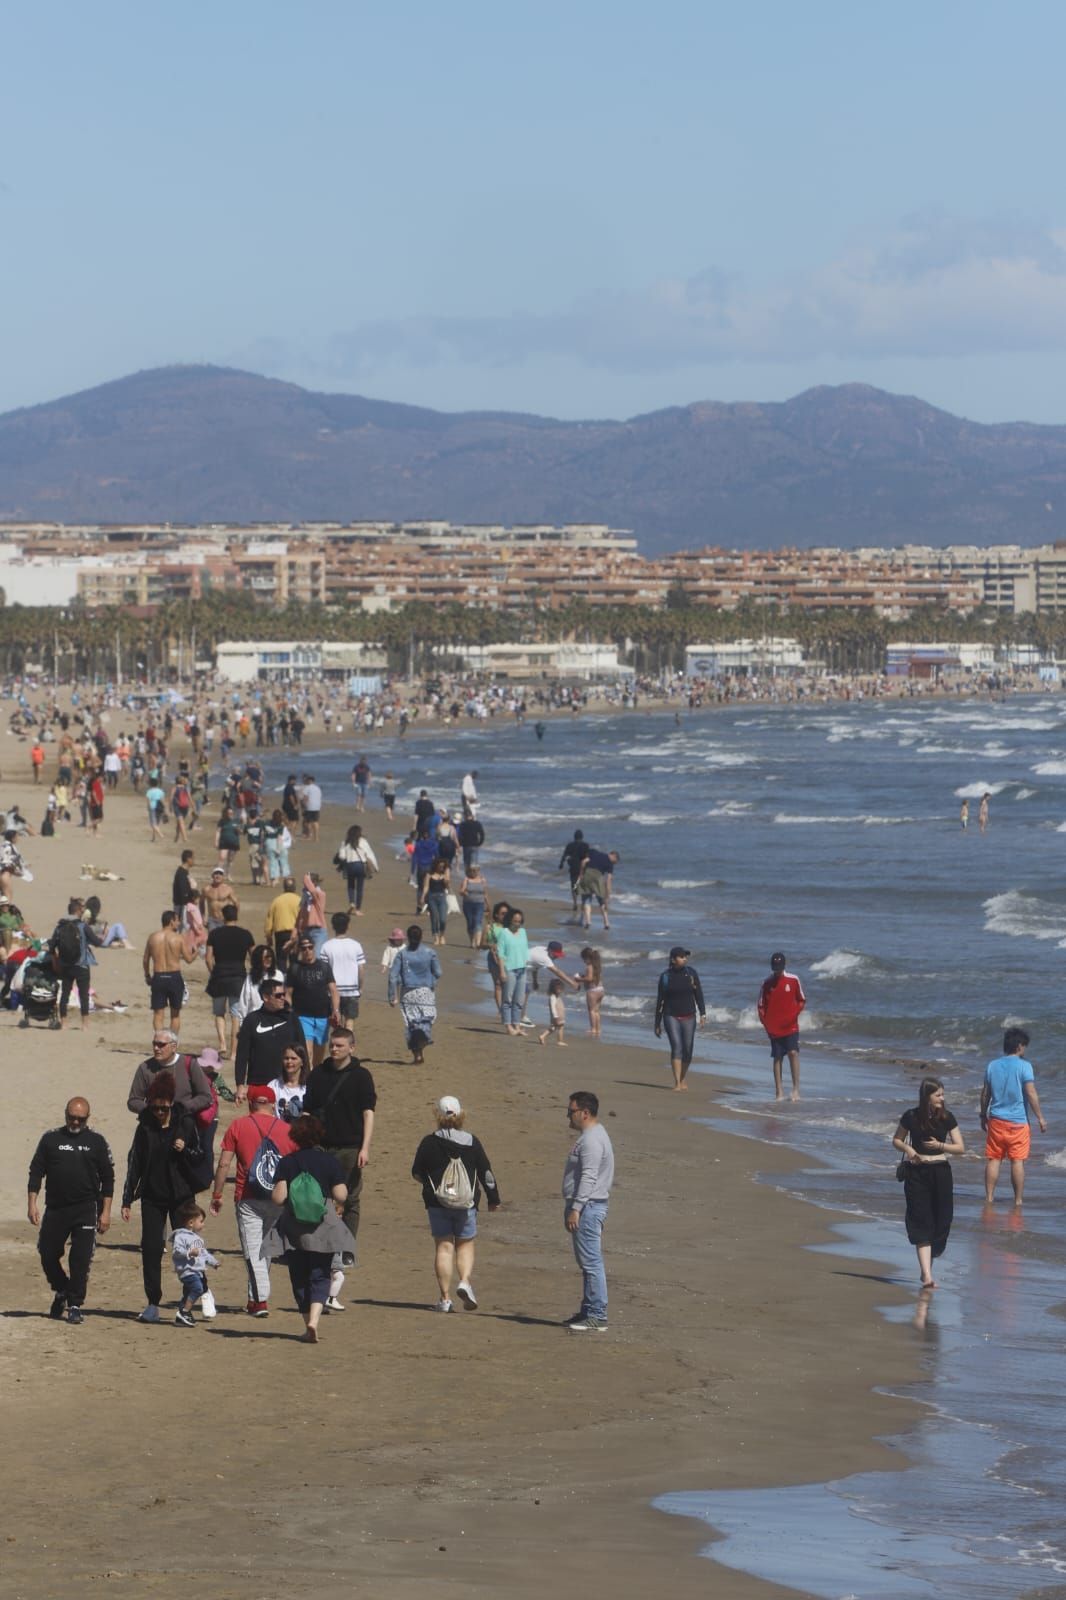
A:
{"x":927,"y":1137}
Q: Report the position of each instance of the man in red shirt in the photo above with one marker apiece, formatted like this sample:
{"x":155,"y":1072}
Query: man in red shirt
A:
{"x":256,"y":1212}
{"x":781,"y":999}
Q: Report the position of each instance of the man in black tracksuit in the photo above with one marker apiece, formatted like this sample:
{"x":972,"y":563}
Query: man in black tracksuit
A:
{"x":76,"y":1165}
{"x":263,"y":1038}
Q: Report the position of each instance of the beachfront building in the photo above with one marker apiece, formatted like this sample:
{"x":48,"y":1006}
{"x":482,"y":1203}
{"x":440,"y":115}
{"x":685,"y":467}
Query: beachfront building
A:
{"x":744,"y":658}
{"x":561,"y":660}
{"x":296,"y":661}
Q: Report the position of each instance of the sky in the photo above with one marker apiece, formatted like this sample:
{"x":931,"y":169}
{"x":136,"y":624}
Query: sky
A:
{"x":568,"y":207}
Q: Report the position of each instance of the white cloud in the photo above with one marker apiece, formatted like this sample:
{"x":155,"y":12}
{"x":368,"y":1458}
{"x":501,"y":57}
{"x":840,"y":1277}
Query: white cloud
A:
{"x":935,"y":286}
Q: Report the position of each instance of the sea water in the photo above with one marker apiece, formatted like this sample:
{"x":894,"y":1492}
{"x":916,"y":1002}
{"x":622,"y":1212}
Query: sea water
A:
{"x":833,"y":833}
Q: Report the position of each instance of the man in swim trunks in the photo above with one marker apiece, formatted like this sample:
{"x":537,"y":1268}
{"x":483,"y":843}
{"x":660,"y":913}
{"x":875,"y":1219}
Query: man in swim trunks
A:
{"x":163,"y":955}
{"x":1008,"y":1095}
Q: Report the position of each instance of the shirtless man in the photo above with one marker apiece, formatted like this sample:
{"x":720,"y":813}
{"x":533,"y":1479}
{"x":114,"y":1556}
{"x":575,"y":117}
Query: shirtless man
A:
{"x":163,"y":955}
{"x":216,"y":894}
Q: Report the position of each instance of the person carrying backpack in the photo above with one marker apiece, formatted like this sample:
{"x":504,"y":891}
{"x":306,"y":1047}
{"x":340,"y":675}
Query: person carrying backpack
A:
{"x":453,"y":1169}
{"x":260,"y":1141}
{"x":72,"y":958}
{"x":310,"y":1189}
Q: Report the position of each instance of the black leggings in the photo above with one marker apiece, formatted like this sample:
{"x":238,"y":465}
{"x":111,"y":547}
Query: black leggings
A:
{"x":69,"y":978}
{"x":153,"y":1243}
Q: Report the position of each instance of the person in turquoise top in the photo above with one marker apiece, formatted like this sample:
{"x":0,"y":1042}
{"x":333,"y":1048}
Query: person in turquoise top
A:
{"x":512,"y":952}
{"x":157,"y":808}
{"x":1008,"y":1095}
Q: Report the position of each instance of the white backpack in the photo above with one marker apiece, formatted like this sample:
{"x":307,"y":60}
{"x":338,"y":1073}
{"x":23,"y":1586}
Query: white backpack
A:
{"x":455,"y":1192}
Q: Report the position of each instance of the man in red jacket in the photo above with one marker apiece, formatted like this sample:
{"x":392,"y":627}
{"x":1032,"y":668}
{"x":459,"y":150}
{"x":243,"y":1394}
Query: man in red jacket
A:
{"x":781,"y":999}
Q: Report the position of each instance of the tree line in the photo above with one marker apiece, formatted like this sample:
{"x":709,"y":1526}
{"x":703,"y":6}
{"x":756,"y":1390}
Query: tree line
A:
{"x":116,"y":644}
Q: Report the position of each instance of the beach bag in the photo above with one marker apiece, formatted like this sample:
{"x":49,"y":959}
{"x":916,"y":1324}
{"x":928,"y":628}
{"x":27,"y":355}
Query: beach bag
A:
{"x":48,"y":827}
{"x":306,"y":1200}
{"x":452,"y":903}
{"x":263,"y":1166}
{"x":455,"y":1192}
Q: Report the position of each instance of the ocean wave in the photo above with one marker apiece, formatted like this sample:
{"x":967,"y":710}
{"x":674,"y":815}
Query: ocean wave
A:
{"x":628,"y":899}
{"x":1049,"y":769}
{"x":838,"y":963}
{"x":786,"y":817}
{"x":974,"y":791}
{"x":730,"y":808}
{"x":630,"y":799}
{"x":1057,"y":1158}
{"x":1025,"y":794}
{"x":688,"y":883}
{"x":723,"y":759}
{"x":628,"y":1004}
{"x":1023,"y":916}
{"x":645,"y":819}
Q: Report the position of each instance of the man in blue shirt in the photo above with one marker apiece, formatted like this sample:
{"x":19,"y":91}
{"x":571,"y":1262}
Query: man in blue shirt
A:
{"x":1008,"y":1094}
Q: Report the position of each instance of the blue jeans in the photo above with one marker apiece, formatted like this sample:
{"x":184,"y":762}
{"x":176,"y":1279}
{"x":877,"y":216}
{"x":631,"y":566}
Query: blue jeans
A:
{"x":514,"y":995}
{"x":588,"y":1253}
{"x":319,"y":935}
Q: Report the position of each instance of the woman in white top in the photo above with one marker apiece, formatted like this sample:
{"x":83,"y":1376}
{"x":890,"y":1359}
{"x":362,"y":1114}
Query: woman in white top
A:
{"x":357,"y":861}
{"x":290,"y":1088}
{"x":261,"y":967}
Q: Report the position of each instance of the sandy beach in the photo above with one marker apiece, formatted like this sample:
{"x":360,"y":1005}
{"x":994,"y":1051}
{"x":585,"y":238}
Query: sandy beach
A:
{"x":490,"y":1453}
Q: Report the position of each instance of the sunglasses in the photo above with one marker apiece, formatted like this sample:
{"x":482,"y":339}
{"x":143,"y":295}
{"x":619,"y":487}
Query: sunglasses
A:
{"x":160,"y":1044}
{"x":160,"y":1105}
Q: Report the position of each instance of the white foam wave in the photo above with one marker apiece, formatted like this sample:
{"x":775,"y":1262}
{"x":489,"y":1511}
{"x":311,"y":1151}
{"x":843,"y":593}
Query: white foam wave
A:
{"x":636,"y":900}
{"x":786,"y":817}
{"x":646,"y":819}
{"x":721,"y":1014}
{"x":630,"y":799}
{"x":1023,"y":916}
{"x":687,"y":883}
{"x":1025,"y":794}
{"x":838,"y":963}
{"x":1049,"y":769}
{"x":730,"y":808}
{"x":1057,"y":1158}
{"x":628,"y":1004}
{"x":974,"y":791}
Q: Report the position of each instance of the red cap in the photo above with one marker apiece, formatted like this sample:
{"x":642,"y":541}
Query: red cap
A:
{"x":261,"y":1091}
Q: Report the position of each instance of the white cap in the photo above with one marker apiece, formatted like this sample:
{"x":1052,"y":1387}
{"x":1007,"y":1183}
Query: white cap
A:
{"x":448,"y":1106}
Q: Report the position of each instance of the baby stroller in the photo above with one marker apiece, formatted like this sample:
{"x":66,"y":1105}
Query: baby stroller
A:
{"x":40,"y":992}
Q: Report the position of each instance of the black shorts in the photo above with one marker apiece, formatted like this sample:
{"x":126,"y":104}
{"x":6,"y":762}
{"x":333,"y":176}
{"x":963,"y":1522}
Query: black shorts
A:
{"x":312,"y":816}
{"x":168,"y":989}
{"x":779,"y":1048}
{"x":349,"y":1006}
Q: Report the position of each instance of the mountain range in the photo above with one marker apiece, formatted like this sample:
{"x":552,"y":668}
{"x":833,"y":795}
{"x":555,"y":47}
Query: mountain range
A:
{"x":850,"y":465}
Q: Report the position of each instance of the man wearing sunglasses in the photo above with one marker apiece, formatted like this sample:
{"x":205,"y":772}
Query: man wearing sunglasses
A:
{"x":76,"y":1166}
{"x":192,"y":1090}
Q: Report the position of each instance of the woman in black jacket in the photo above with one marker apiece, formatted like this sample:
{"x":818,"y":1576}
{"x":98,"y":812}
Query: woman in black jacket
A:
{"x":679,"y":1007}
{"x":161,"y":1174}
{"x":451,"y":1195}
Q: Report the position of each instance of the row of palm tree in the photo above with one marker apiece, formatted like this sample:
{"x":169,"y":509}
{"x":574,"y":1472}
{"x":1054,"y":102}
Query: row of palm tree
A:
{"x":113,"y":643}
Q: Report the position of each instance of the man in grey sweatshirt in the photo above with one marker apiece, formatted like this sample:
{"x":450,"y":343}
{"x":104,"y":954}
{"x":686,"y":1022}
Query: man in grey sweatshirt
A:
{"x":587,"y":1179}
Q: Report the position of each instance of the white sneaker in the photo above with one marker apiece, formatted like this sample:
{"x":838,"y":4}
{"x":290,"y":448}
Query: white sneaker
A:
{"x":467,"y":1296}
{"x":207,"y":1305}
{"x":336,"y":1283}
{"x":333,"y":1304}
{"x":443,"y":1305}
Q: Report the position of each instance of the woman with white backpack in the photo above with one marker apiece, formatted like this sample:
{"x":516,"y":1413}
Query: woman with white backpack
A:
{"x":453,"y":1169}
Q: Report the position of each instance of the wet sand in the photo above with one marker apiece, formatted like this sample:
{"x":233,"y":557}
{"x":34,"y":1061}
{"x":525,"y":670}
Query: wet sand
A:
{"x":487,"y":1453}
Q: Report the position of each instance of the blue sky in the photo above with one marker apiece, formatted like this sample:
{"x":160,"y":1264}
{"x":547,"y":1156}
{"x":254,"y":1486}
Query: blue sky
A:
{"x":581,"y":209}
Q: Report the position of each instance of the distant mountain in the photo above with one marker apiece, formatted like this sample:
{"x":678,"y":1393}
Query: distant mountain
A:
{"x":842,"y":466}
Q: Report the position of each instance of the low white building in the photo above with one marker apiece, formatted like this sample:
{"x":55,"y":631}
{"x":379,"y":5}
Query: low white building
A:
{"x":36,"y":581}
{"x":296,"y":661}
{"x":560,"y":660}
{"x":748,"y":656}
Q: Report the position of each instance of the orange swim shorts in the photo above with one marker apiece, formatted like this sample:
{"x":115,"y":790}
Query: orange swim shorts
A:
{"x":1006,"y":1140}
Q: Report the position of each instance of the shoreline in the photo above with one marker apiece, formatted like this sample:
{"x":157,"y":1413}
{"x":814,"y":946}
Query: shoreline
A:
{"x":692,"y":1387}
